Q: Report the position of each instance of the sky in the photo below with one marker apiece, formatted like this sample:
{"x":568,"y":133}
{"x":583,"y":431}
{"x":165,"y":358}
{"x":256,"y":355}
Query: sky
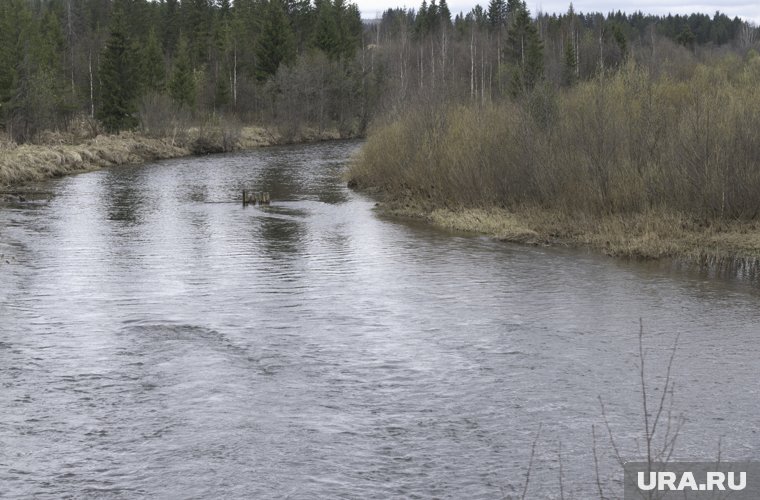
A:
{"x":745,"y":9}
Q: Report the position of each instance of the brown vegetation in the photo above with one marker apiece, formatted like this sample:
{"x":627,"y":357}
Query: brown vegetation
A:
{"x":56,"y":155}
{"x":632,"y":163}
{"x":29,"y":162}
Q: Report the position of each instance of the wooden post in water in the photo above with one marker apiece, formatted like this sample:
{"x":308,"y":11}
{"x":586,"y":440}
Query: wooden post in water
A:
{"x":245,"y":200}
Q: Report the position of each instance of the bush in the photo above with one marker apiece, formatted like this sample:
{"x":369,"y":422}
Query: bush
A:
{"x":624,"y":143}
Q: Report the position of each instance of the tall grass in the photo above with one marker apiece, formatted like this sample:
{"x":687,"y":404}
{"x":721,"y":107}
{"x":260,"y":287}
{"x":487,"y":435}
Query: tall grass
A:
{"x":629,"y":142}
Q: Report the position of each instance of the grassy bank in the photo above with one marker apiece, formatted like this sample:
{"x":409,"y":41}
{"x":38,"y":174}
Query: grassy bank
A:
{"x":632,"y":164}
{"x":652,"y":235}
{"x":56,"y":156}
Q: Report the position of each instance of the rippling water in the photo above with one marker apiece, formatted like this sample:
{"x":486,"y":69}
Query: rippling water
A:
{"x":158,"y":339}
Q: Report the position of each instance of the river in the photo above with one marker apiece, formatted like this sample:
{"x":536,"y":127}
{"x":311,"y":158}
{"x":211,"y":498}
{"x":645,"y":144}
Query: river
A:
{"x":158,"y":339}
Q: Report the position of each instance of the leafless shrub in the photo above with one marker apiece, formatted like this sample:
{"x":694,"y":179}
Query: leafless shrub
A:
{"x":217,"y":134}
{"x":161,"y":117}
{"x":661,"y":426}
{"x":624,"y":143}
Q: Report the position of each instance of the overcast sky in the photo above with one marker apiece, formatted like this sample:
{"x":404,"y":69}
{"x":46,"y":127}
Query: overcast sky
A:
{"x":745,"y":9}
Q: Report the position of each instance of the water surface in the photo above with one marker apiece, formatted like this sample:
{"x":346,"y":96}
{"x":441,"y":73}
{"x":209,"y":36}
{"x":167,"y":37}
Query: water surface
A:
{"x":157,"y":339}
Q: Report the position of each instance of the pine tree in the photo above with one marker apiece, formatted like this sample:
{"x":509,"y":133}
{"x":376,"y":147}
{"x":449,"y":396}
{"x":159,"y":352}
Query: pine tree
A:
{"x":182,"y":83}
{"x":276,"y":43}
{"x":117,"y":75}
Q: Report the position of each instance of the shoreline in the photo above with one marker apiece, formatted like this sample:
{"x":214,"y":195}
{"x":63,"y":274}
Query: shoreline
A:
{"x":28,"y":163}
{"x":655,"y":235}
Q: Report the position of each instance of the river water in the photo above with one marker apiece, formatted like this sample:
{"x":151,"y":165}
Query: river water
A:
{"x":159,"y":340}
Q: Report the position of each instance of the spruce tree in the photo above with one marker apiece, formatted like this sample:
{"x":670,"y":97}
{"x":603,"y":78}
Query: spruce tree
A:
{"x":570,"y":65}
{"x":276,"y":43}
{"x":525,"y":50}
{"x":445,"y":14}
{"x":422,"y":22}
{"x":497,"y":13}
{"x":182,"y":83}
{"x":351,"y":32}
{"x":152,"y":65}
{"x":118,"y":87}
{"x":326,"y":31}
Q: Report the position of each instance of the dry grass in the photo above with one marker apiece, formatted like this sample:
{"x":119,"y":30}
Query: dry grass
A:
{"x":651,"y":235}
{"x":255,"y":136}
{"x":31,"y":162}
{"x":20,"y":164}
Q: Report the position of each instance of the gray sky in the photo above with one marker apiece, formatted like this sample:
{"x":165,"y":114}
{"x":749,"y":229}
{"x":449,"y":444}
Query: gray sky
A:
{"x":745,"y":9}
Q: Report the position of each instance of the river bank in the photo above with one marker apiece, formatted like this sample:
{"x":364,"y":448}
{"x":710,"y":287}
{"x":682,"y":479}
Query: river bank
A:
{"x":645,"y":236}
{"x":20,"y":164}
{"x":634,"y":164}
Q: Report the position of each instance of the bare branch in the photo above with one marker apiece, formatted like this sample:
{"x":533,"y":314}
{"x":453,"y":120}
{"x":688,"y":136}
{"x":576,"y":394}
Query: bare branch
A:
{"x":596,"y":465}
{"x":530,"y":463}
{"x":609,"y":432}
{"x":667,"y":383}
{"x":561,"y":486}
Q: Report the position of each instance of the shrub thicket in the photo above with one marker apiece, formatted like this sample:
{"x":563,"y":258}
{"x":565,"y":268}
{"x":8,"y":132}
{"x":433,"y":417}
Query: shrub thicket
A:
{"x":622,"y":143}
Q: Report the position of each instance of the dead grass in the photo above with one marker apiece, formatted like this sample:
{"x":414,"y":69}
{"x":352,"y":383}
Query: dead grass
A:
{"x":33,"y":162}
{"x":20,"y":164}
{"x":256,"y":136}
{"x":651,"y":235}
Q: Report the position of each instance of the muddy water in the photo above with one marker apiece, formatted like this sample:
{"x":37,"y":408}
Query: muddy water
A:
{"x":157,"y":339}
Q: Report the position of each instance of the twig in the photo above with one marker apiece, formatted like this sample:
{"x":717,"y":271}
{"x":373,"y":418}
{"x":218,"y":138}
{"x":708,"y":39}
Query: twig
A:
{"x":596,"y":464}
{"x":609,"y":432}
{"x":647,"y":434}
{"x":668,"y":384}
{"x":561,"y":487}
{"x":530,"y":463}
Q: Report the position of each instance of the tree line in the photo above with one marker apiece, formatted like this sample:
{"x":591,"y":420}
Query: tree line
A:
{"x":293,"y":63}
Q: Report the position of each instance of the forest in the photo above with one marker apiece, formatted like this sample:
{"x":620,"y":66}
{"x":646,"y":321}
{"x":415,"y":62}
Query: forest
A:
{"x":155,"y":66}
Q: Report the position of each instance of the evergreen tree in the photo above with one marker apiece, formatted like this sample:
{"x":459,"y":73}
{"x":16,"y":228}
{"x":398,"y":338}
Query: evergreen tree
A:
{"x":152,"y":65}
{"x":351,"y":31}
{"x":198,"y":16}
{"x":570,"y":65}
{"x":222,"y":96}
{"x":182,"y":83}
{"x":620,"y":40}
{"x":276,"y":43}
{"x":497,"y":13}
{"x":326,"y":30}
{"x":118,"y":70}
{"x":525,"y":50}
{"x":444,"y":14}
{"x":171,"y":26}
{"x":422,"y":22}
{"x":432,"y":16}
{"x":513,"y":7}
